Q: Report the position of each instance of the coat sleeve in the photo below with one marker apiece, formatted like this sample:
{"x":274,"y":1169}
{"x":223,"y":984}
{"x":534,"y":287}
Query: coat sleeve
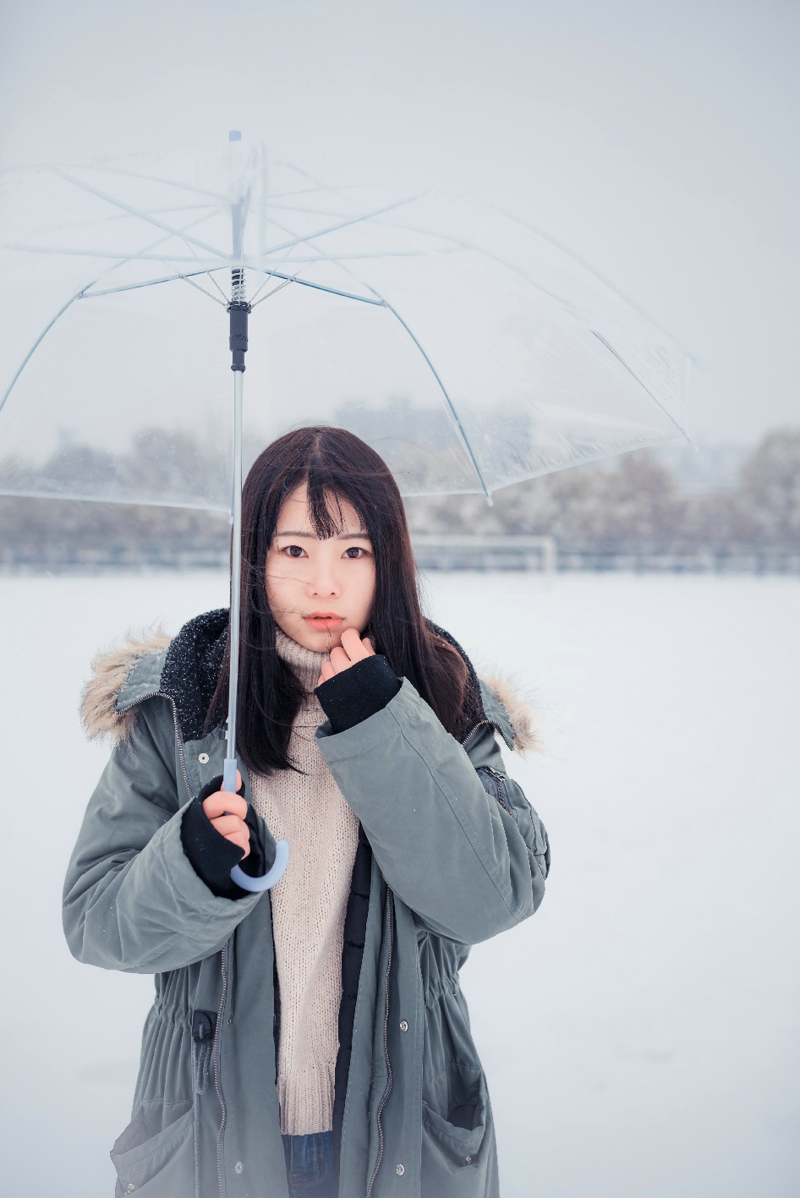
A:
{"x":468,"y":860}
{"x":132,"y":900}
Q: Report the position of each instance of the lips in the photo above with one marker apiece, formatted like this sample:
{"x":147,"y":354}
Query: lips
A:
{"x":323,"y":620}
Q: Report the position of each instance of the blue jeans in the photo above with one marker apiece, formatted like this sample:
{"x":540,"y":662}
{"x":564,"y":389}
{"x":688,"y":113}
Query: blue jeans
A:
{"x":309,"y":1165}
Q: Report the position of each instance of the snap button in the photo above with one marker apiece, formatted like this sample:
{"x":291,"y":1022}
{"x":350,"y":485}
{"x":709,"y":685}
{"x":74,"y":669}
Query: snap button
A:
{"x":237,"y":1168}
{"x":400,"y":1170}
{"x":403,"y":1025}
{"x":203,"y":758}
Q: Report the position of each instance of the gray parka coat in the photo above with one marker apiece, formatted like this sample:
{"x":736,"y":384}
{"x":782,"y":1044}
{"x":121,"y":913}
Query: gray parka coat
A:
{"x":458,"y":855}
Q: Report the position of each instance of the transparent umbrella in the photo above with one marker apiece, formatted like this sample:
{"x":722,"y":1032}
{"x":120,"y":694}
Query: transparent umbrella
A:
{"x":468,"y":348}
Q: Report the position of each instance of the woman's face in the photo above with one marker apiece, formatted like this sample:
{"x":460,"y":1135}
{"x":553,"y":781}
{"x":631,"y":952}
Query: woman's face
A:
{"x":317,"y":589}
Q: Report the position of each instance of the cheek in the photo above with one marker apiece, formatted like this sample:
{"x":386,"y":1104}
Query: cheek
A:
{"x":279,"y":576}
{"x":367,"y":588}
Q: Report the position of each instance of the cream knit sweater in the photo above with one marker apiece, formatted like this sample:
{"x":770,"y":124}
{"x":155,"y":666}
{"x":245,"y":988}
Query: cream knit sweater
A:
{"x":308,"y":907}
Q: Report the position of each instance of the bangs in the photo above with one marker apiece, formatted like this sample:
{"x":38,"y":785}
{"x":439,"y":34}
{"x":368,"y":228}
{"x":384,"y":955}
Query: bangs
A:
{"x":331,"y":482}
{"x":326,"y":497}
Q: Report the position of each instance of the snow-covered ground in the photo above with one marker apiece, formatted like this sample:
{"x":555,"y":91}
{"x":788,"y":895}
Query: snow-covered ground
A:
{"x":640,"y":1034}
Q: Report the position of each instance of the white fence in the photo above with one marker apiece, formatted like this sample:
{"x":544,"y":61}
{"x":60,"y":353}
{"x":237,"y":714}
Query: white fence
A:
{"x":486,"y":553}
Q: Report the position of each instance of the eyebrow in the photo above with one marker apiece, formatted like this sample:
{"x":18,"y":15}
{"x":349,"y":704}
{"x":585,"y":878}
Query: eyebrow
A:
{"x":312,"y":536}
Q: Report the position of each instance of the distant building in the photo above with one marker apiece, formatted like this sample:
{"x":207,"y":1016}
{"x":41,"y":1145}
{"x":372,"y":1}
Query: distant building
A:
{"x":708,"y":468}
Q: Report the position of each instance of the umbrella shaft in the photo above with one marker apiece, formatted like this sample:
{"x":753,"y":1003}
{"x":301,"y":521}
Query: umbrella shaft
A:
{"x":236,"y":565}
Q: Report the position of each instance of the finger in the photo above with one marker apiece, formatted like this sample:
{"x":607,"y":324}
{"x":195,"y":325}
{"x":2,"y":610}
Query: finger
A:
{"x":353,"y":645}
{"x":222,"y":803}
{"x":369,"y":645}
{"x":339,"y":660}
{"x":327,"y":673}
{"x":226,"y":825}
{"x":240,"y":841}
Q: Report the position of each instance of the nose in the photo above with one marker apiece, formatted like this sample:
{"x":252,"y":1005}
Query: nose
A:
{"x":324,"y":583}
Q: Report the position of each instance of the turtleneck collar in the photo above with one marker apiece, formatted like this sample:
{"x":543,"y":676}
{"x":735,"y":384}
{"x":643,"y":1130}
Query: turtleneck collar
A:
{"x":305,"y":663}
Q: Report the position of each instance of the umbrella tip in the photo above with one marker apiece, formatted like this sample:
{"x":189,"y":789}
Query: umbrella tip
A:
{"x":234,"y":135}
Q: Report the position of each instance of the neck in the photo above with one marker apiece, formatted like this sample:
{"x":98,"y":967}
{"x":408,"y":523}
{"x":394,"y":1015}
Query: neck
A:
{"x":305,"y":663}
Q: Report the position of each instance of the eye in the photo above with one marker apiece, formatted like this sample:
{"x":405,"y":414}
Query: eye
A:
{"x":293,"y":551}
{"x":354,"y":552}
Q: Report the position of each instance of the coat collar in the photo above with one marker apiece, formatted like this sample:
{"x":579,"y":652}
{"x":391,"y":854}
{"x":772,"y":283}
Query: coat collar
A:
{"x":186,"y":670}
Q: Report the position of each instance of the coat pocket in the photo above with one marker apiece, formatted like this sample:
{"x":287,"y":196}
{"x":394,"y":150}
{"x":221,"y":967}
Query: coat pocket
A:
{"x":159,"y":1163}
{"x":455,"y":1112}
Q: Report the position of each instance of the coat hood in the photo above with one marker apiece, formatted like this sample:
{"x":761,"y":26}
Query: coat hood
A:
{"x":185,"y":669}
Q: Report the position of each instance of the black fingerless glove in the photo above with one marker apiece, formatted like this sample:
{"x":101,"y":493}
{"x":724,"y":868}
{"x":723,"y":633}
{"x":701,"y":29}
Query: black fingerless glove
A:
{"x":212,"y":856}
{"x":358,"y":692}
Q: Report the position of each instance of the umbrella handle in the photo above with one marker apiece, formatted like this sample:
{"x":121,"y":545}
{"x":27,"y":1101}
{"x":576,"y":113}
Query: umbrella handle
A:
{"x":273,"y":875}
{"x":258,"y":885}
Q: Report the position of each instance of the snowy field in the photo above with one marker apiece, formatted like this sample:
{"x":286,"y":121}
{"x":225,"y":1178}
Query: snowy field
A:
{"x":655,"y":995}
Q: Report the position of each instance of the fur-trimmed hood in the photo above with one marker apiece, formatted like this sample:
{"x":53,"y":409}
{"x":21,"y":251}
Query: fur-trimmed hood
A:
{"x":100,"y":716}
{"x":185,"y":670}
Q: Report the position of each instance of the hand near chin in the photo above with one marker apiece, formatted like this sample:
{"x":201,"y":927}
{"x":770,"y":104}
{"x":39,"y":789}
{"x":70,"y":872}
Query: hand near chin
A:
{"x":351,"y":650}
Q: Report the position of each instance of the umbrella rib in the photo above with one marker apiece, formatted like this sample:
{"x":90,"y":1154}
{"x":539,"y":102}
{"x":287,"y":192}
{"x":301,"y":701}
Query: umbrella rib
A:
{"x":78,"y":295}
{"x":376,"y":256}
{"x":276,"y":274}
{"x":254,"y":302}
{"x":468,"y":247}
{"x":305,"y":211}
{"x":465,"y":245}
{"x":384,"y":303}
{"x":141,"y":215}
{"x":644,"y":387}
{"x":191,"y":282}
{"x":82,"y":294}
{"x":115,"y":170}
{"x":320,"y":185}
{"x":450,"y":405}
{"x":353,"y":220}
{"x":74,"y":253}
{"x":87,"y":497}
{"x":111,"y":218}
{"x":605,"y":281}
{"x":188,"y":274}
{"x":306,"y":191}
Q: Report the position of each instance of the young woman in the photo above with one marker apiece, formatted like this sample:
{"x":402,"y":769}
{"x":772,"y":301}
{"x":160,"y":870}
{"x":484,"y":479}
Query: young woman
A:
{"x":310,"y":1040}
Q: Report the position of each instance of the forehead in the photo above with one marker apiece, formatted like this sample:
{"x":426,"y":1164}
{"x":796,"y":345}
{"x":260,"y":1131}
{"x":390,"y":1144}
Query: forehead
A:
{"x":295,"y":514}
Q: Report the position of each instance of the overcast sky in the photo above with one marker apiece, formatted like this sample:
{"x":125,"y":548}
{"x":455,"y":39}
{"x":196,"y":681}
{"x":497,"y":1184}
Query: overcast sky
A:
{"x":658,"y":140}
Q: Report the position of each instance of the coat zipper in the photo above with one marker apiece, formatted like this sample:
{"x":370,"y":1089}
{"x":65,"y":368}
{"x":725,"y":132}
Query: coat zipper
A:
{"x":390,"y":1076}
{"x":217,"y":1073}
{"x":486,"y":724}
{"x":224,"y":955}
{"x":502,"y":793}
{"x":178,"y":733}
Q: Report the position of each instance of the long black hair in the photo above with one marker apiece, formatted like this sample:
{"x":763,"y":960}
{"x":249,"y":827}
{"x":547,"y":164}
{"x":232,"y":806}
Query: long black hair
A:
{"x":335,"y":465}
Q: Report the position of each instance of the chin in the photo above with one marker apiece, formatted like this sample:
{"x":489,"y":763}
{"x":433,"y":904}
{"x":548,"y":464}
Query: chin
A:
{"x":319,"y":639}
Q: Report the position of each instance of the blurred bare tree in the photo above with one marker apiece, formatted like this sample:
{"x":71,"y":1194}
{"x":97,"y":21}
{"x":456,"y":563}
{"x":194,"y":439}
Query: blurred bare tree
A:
{"x":633,"y":505}
{"x":636,"y":506}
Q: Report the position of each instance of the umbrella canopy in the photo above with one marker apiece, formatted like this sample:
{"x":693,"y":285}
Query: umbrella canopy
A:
{"x":468,"y":348}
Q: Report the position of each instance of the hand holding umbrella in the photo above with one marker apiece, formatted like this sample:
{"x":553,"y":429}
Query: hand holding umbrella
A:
{"x":227,"y":813}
